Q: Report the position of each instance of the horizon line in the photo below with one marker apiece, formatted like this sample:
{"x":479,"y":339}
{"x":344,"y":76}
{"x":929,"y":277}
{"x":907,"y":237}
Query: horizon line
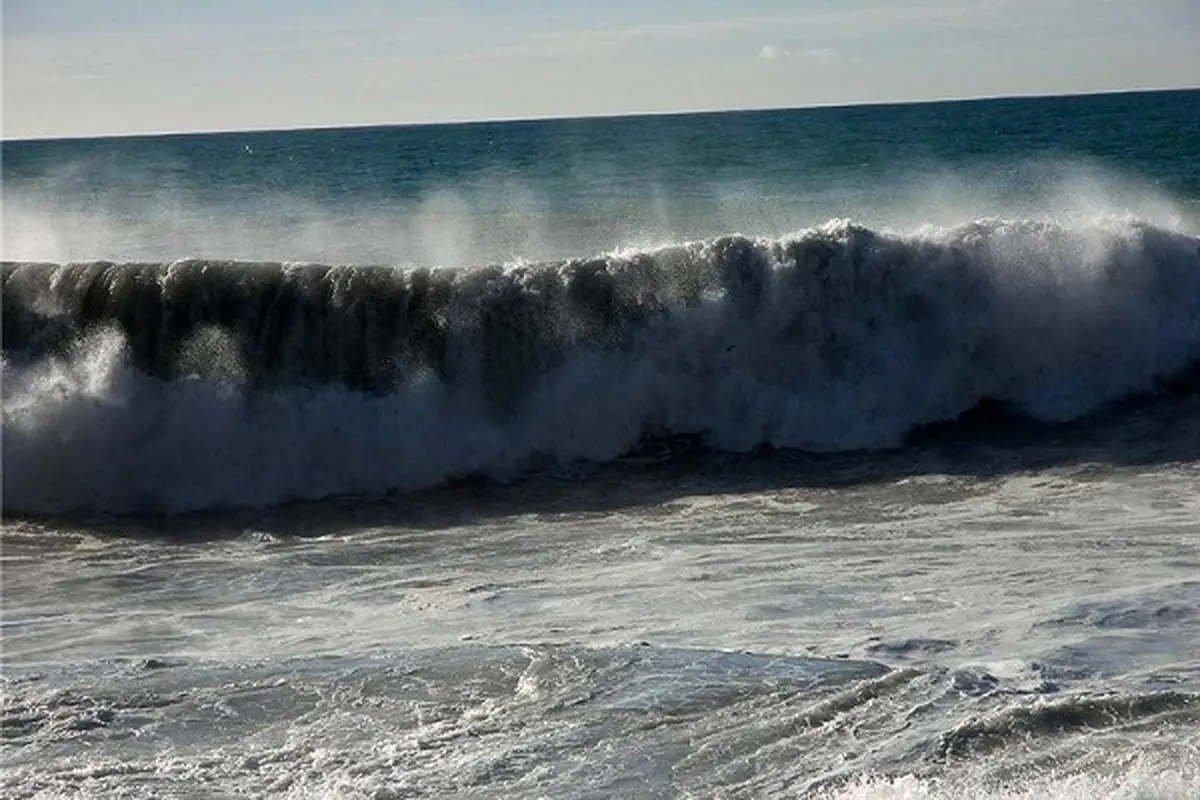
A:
{"x":334,"y":127}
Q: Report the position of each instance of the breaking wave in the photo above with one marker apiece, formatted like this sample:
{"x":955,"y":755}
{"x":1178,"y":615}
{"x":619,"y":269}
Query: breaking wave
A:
{"x":183,"y":386}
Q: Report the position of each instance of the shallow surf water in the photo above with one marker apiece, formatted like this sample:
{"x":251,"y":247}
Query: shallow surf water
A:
{"x":1033,"y":633}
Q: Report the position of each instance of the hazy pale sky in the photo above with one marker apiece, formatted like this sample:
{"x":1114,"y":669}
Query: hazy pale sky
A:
{"x":88,"y":67}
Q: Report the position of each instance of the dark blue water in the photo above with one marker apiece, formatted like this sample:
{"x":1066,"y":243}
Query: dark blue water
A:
{"x":1152,"y":134}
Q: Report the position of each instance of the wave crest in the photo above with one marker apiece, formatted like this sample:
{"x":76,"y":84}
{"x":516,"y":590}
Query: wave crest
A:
{"x":187,"y":385}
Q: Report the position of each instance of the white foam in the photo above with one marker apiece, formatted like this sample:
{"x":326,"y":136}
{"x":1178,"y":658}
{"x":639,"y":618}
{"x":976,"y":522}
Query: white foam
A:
{"x":1144,"y":780}
{"x":852,"y":339}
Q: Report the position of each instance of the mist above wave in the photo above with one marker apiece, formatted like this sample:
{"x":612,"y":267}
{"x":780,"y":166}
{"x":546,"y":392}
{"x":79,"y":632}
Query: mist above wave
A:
{"x":128,"y":211}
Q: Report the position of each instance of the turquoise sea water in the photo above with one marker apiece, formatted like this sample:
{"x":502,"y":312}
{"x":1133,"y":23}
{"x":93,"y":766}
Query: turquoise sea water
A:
{"x":844,"y":452}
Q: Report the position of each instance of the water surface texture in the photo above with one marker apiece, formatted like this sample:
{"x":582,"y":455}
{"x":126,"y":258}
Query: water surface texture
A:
{"x":844,"y":453}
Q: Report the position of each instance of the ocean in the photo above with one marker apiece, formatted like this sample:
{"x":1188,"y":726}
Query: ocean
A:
{"x":835,"y":453}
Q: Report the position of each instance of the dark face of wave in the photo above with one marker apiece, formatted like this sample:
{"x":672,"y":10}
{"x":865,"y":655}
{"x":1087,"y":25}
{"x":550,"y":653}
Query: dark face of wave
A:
{"x":186,"y":385}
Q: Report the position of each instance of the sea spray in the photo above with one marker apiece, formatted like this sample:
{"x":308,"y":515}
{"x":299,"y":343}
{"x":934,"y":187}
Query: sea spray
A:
{"x":181,"y":386}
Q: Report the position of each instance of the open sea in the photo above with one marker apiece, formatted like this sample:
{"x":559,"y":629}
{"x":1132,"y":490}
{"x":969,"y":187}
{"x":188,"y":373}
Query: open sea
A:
{"x":833,"y":453}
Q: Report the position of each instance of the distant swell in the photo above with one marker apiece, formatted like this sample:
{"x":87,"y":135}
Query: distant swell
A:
{"x":172,"y":387}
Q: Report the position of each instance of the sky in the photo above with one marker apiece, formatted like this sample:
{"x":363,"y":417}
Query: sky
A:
{"x":101,"y":67}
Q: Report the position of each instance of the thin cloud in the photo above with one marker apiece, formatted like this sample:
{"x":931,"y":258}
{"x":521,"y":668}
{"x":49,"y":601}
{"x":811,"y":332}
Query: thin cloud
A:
{"x":772,"y":52}
{"x":842,"y":23}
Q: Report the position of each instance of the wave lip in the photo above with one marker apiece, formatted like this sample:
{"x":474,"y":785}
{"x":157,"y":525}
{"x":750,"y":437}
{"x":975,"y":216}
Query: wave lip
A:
{"x":186,"y":385}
